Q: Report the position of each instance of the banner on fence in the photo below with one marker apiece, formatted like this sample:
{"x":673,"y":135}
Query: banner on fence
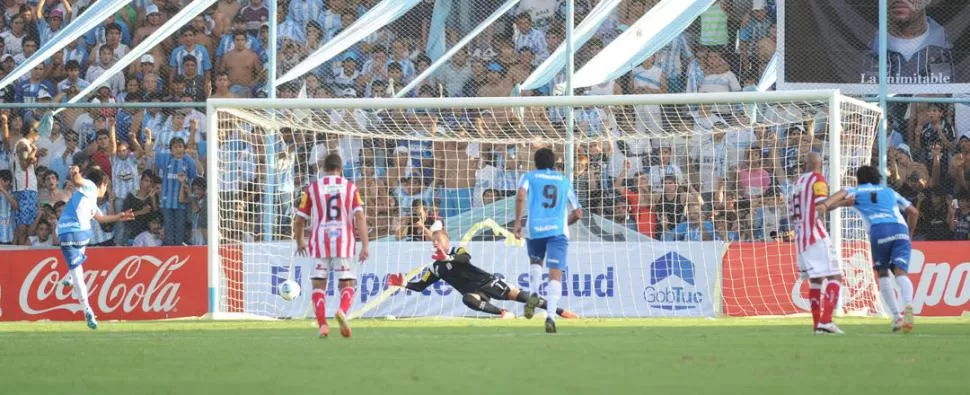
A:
{"x":123,"y":284}
{"x":638,"y":279}
{"x":833,"y":43}
{"x":940,"y":272}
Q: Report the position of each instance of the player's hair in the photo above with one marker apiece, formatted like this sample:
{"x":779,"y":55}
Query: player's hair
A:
{"x":97,"y":176}
{"x":867,"y":175}
{"x":332,"y":162}
{"x":545,"y":159}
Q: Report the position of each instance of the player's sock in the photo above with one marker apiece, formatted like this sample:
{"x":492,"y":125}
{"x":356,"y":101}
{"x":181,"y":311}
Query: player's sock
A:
{"x":480,"y":305}
{"x":81,"y":288}
{"x":886,"y":289}
{"x":815,"y":300}
{"x":830,"y":301}
{"x":535,"y":278}
{"x":346,"y":298}
{"x":905,"y":289}
{"x":319,"y":306}
{"x":555,"y":292}
{"x":523,"y":297}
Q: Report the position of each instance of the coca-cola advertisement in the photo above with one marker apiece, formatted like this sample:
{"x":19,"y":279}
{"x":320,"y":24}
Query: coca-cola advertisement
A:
{"x":123,"y":284}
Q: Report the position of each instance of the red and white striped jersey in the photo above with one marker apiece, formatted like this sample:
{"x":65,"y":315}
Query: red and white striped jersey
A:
{"x":330,"y":203}
{"x":810,"y":189}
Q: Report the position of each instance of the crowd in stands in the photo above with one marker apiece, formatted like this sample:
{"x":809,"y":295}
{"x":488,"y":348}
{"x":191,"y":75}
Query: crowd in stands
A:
{"x":728,"y":184}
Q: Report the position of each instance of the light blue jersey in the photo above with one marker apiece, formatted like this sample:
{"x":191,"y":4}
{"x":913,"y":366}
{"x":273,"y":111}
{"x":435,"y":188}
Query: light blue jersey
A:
{"x":80,"y":210}
{"x":881,"y":208}
{"x":548,"y":193}
{"x":878,"y":204}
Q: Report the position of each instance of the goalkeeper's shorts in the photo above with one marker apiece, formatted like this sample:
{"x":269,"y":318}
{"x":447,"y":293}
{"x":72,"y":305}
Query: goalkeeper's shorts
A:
{"x":496,"y":289}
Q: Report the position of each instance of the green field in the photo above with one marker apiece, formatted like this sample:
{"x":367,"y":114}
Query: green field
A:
{"x":658,"y":356}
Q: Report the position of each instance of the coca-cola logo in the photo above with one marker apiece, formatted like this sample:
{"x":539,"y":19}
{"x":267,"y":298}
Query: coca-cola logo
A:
{"x":854,"y":279}
{"x":122,"y":287}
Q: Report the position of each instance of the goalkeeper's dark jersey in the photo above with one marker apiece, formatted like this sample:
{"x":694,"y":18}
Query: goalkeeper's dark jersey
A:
{"x":457,"y":270}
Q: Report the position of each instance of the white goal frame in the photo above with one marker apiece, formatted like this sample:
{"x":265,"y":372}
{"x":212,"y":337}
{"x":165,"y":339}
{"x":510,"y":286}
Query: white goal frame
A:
{"x":833,"y":97}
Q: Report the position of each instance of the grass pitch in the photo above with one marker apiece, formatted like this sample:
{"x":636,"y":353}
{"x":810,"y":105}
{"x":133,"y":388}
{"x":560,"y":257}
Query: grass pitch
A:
{"x":662,"y":356}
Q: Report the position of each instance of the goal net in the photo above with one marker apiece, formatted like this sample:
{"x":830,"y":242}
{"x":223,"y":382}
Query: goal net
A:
{"x":684,"y":197}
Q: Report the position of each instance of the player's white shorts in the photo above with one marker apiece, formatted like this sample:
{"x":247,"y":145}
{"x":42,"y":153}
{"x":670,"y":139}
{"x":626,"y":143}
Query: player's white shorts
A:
{"x":343,"y":268}
{"x":819,"y":260}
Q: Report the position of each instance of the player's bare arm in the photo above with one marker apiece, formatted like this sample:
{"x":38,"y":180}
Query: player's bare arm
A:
{"x":519,"y":208}
{"x":912,"y":216}
{"x":299,"y":227}
{"x":575,"y":215}
{"x":840,"y":199}
{"x":360,"y":223}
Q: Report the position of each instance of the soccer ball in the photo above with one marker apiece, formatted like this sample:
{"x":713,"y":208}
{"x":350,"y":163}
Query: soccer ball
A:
{"x":289,"y":290}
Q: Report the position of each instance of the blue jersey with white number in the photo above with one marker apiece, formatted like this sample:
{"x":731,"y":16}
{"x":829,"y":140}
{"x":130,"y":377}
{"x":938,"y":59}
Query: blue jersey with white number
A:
{"x":878,"y":204}
{"x":550,"y":198}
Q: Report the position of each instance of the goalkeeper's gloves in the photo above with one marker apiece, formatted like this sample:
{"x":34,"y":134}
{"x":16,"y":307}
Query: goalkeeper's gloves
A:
{"x":395,"y":279}
{"x":440,"y":255}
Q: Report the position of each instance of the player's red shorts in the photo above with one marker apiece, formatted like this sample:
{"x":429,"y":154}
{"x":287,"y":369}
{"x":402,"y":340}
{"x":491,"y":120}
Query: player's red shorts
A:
{"x":819,"y":260}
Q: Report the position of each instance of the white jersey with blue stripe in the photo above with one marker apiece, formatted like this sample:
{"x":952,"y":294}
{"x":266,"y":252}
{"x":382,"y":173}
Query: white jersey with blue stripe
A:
{"x":80,"y":209}
{"x":879,"y":204}
{"x":548,"y":193}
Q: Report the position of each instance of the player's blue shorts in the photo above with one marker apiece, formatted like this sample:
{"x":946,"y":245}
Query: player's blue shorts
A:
{"x":551,"y":249}
{"x":891,"y":246}
{"x":73,"y":246}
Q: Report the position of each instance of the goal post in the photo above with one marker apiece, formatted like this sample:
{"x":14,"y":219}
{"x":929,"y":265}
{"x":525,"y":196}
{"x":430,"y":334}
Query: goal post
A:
{"x":683,"y":196}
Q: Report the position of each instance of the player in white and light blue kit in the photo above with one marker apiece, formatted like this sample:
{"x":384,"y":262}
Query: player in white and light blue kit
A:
{"x":889,"y":236}
{"x":547,"y":192}
{"x":74,"y":229}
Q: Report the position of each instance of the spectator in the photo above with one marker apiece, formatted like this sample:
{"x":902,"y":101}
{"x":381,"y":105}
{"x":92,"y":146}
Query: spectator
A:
{"x":13,"y":38}
{"x":29,"y":45}
{"x":415,"y":225}
{"x":195,"y":84}
{"x":102,"y":235}
{"x":621,"y":214}
{"x":696,"y":228}
{"x":936,"y":215}
{"x":936,"y":130}
{"x":669,"y":204}
{"x":124,"y":181}
{"x":143,"y":202}
{"x":73,"y":84}
{"x":189,"y":47}
{"x":755,"y":27}
{"x":153,"y":20}
{"x":253,"y":15}
{"x":902,"y":167}
{"x":638,"y":199}
{"x":29,"y":91}
{"x":24,"y":176}
{"x":222,"y":86}
{"x":43,"y":236}
{"x":113,"y":42}
{"x":152,"y":236}
{"x":175,"y":169}
{"x":199,"y":214}
{"x":714,"y":26}
{"x":51,"y":192}
{"x":528,"y":37}
{"x":115,"y":82}
{"x":8,"y":208}
{"x":664,"y":167}
{"x":63,"y":159}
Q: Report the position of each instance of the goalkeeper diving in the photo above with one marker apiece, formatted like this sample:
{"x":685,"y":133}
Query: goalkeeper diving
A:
{"x":477,"y":287}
